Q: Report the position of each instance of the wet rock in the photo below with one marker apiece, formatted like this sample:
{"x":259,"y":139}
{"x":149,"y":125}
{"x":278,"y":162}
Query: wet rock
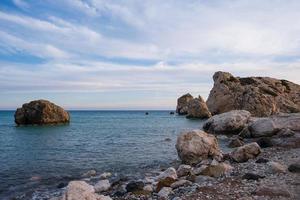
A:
{"x":232,"y":122}
{"x":261,"y":96}
{"x":166,"y":178}
{"x":89,"y":173}
{"x":182,"y":104}
{"x":102,"y":186}
{"x":172,"y":113}
{"x":217,"y":170}
{"x":164,"y":193}
{"x":195,"y":146}
{"x":235,"y":142}
{"x":184,"y":170}
{"x":246,"y":152}
{"x":41,"y":112}
{"x":105,"y":175}
{"x":262,"y":160}
{"x":264,"y":142}
{"x":276,"y":167}
{"x":252,"y":176}
{"x":197,"y":108}
{"x":134,"y":186}
{"x":295,"y":167}
{"x":180,"y":183}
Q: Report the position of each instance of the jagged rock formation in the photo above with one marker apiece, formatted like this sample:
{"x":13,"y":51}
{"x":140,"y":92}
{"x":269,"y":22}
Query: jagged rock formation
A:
{"x":197,"y":108}
{"x":182,"y":104}
{"x":262,"y":96}
{"x":41,"y":112}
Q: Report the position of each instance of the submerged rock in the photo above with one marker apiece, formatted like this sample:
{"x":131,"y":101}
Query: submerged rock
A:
{"x":197,"y":108}
{"x":261,"y":96}
{"x":41,"y":112}
{"x":231,"y":122}
{"x":195,"y":146}
{"x":246,"y":152}
{"x":182,"y":104}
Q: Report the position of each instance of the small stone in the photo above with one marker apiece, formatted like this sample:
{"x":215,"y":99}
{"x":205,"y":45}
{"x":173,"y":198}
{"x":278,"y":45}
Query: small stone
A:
{"x":164,"y":193}
{"x":180,"y":183}
{"x":262,"y":160}
{"x":276,"y":167}
{"x":252,"y":176}
{"x":89,"y":173}
{"x":148,"y":188}
{"x":102,"y":186}
{"x":105,"y":175}
{"x":134,"y":186}
{"x":295,"y":168}
{"x":183,"y":170}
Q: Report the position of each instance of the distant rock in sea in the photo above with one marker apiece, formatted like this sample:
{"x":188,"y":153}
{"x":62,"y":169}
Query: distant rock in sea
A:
{"x":41,"y":112}
{"x":261,"y":96}
{"x":197,"y":108}
{"x":182,"y":104}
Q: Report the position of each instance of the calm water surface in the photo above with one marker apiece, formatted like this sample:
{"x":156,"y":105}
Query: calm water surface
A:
{"x":123,"y":142}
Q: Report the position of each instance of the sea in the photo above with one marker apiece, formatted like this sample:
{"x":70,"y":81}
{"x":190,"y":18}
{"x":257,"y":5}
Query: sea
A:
{"x":35,"y":159}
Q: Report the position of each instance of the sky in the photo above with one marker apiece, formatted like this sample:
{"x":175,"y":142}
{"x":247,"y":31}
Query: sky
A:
{"x":133,"y":54}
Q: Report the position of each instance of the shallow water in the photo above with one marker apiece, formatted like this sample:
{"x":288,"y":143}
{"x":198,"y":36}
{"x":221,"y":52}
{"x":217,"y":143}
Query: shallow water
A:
{"x":35,"y":158}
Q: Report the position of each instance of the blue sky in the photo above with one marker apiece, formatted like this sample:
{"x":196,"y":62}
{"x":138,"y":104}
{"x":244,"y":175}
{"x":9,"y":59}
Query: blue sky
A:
{"x":131,"y":54}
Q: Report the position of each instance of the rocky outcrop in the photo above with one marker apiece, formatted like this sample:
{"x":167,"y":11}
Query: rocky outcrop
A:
{"x":182,"y":104}
{"x":261,"y":96}
{"x":227,"y":123}
{"x":195,"y":146}
{"x":197,"y":108}
{"x":246,"y":152}
{"x":41,"y":112}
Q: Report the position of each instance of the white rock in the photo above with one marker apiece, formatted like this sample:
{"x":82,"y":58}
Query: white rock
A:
{"x":102,"y":185}
{"x":79,"y":190}
{"x":164,"y":193}
{"x":197,"y":145}
{"x":105,"y":175}
{"x":168,"y":173}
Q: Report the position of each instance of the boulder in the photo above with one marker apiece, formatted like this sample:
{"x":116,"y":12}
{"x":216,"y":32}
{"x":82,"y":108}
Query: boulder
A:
{"x":80,"y":190}
{"x":41,"y":112}
{"x":197,"y":108}
{"x":232,"y":122}
{"x":277,"y":124}
{"x":195,"y":146}
{"x":182,"y":104}
{"x":246,"y":152}
{"x":261,"y":96}
{"x":102,"y":185}
{"x":217,"y":170}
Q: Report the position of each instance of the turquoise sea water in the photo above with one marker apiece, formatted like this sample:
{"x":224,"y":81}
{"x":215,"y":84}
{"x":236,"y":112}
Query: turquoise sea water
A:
{"x":36,"y":158}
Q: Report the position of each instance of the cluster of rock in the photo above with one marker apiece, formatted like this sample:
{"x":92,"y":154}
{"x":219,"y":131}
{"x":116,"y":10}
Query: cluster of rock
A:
{"x":192,"y":107}
{"x":261,"y":96}
{"x":41,"y":112}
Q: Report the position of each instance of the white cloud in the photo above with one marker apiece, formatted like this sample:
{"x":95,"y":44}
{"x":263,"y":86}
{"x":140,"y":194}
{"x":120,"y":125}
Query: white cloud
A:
{"x":21,"y":4}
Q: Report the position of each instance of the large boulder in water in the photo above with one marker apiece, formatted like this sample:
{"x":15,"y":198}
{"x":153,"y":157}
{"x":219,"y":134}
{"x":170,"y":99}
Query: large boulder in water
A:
{"x":182,"y":104}
{"x":41,"y":112}
{"x":195,"y":146}
{"x":262,"y":96}
{"x":197,"y":108}
{"x":228,"y":123}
